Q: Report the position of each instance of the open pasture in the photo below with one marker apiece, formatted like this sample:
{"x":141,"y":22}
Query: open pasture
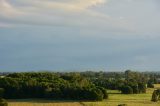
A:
{"x":42,"y":103}
{"x":116,"y":98}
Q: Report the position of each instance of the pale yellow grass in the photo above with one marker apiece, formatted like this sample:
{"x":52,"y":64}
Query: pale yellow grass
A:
{"x":157,"y":86}
{"x":34,"y":102}
{"x":43,"y":104}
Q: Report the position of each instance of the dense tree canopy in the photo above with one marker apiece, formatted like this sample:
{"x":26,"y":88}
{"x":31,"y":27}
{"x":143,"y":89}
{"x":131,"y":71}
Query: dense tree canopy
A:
{"x":74,"y":85}
{"x":50,"y":85}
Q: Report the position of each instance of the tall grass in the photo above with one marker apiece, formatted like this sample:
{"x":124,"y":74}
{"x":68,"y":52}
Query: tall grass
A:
{"x":43,"y":104}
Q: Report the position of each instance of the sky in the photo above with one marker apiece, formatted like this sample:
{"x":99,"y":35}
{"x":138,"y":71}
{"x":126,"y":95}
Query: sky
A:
{"x":79,"y":35}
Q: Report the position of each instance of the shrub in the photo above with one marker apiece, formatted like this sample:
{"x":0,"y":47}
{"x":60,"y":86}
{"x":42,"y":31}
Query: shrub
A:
{"x":126,"y":90}
{"x":97,"y":94}
{"x":155,"y":95}
{"x":150,"y":85}
{"x":104,"y":91}
{"x":142,"y":88}
{"x":105,"y":94}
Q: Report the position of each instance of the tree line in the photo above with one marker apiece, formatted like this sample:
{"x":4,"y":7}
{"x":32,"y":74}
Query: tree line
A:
{"x":128,"y":82}
{"x":73,"y":85}
{"x":50,"y":85}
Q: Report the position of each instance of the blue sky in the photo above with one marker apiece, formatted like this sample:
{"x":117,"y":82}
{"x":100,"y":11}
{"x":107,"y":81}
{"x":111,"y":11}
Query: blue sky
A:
{"x":64,"y":35}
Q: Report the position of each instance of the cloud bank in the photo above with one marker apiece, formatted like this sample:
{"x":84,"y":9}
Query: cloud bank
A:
{"x":79,"y":34}
{"x":58,"y":13}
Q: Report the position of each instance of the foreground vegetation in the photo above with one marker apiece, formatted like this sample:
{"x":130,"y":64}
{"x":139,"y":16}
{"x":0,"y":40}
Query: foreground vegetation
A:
{"x":131,"y":100}
{"x":59,"y":89}
{"x":55,"y":86}
{"x":115,"y":98}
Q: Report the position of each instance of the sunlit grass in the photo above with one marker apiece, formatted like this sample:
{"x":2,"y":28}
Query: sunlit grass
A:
{"x":42,"y":103}
{"x":157,"y":86}
{"x":116,"y":98}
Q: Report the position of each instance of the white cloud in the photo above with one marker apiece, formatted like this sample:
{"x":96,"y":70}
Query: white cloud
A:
{"x":70,"y":4}
{"x":118,"y":15}
{"x":7,"y":10}
{"x":58,"y":13}
{"x":29,"y":11}
{"x":83,"y":4}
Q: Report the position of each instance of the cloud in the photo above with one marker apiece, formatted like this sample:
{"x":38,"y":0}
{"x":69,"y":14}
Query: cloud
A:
{"x":15,"y":7}
{"x":51,"y":11}
{"x":83,"y":34}
{"x":118,"y":16}
{"x":69,"y":4}
{"x":6,"y":10}
{"x":5,"y":25}
{"x":58,"y":13}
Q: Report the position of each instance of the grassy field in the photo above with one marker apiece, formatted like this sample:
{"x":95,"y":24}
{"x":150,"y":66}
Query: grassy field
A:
{"x":115,"y":98}
{"x":42,"y":103}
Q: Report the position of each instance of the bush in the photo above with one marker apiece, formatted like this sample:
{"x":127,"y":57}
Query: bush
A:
{"x":126,"y":90}
{"x":3,"y":102}
{"x":97,"y":94}
{"x":104,"y":91}
{"x":150,"y":85}
{"x":155,"y":95}
{"x":105,"y":94}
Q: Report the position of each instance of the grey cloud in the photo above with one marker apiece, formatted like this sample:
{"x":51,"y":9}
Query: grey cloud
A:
{"x":112,"y":36}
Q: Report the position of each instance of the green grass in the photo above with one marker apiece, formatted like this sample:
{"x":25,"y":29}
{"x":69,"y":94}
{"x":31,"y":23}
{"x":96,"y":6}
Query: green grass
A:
{"x":34,"y":102}
{"x":115,"y":98}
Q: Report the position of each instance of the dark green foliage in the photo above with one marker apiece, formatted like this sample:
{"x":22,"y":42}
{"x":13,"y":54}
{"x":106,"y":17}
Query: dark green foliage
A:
{"x":153,"y":79}
{"x":150,"y":85}
{"x":142,"y":87}
{"x":155,"y":95}
{"x":127,"y":90}
{"x":97,"y":94}
{"x":3,"y":102}
{"x":135,"y":89}
{"x":74,"y":85}
{"x":51,"y":85}
{"x":104,"y":91}
{"x":116,"y":80}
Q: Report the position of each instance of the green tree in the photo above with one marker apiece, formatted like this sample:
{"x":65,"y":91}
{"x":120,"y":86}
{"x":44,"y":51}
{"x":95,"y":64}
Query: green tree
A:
{"x":126,"y":90}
